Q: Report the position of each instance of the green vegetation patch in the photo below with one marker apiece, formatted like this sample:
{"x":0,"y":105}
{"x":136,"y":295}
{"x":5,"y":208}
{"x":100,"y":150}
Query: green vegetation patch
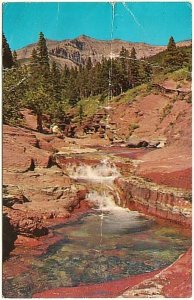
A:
{"x":132,"y":128}
{"x":181,"y":74}
{"x":131,"y":94}
{"x":89,"y":106}
{"x":166,"y":111}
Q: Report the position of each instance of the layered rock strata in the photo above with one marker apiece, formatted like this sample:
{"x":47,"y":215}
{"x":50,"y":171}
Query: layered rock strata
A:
{"x":171,"y":204}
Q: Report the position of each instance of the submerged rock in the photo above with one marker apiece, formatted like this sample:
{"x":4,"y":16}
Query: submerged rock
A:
{"x":173,"y":282}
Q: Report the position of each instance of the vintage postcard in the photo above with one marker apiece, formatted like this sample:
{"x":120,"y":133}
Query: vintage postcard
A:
{"x":97,"y":143}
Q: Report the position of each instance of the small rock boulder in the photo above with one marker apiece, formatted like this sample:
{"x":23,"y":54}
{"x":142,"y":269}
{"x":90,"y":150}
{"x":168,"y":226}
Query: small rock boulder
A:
{"x":25,"y":223}
{"x":153,"y":144}
{"x":135,"y":142}
{"x":13,"y":195}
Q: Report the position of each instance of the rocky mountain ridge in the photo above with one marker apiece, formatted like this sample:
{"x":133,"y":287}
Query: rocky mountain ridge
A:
{"x":75,"y":51}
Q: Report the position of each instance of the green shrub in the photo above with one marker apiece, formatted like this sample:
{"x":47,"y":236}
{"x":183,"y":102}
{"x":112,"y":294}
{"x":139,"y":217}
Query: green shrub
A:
{"x":166,"y":111}
{"x":181,"y":74}
{"x":132,"y":127}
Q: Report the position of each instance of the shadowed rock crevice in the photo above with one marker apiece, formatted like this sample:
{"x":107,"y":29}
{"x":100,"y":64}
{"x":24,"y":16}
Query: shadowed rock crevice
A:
{"x":51,"y":162}
{"x":9,"y":236}
{"x":32,"y":165}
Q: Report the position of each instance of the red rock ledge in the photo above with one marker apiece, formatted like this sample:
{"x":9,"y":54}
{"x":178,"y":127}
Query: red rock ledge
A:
{"x":170,"y":204}
{"x":109,"y":289}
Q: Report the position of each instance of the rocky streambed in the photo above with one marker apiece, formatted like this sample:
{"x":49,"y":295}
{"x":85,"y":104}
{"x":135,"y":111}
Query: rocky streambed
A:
{"x":137,"y":193}
{"x":64,"y":246}
{"x":94,"y":250}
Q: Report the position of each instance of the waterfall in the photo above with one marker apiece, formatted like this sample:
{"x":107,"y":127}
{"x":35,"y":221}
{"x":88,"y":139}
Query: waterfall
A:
{"x":100,"y":178}
{"x":103,"y":201}
{"x":105,"y":171}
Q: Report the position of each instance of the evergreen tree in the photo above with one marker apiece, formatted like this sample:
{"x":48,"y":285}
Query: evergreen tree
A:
{"x":34,"y":69}
{"x":124,"y":58}
{"x":56,"y":107}
{"x":43,"y":58}
{"x":72,"y":90}
{"x":7,"y":58}
{"x":56,"y":82}
{"x":125,"y":62}
{"x":104,"y":77}
{"x":89,"y":64}
{"x":64,"y":82}
{"x":38,"y":100}
{"x":148,"y":72}
{"x":42,"y":51}
{"x":118,"y":78}
{"x":173,"y":59}
{"x":96,"y":79}
{"x":82,"y":82}
{"x":38,"y":95}
{"x":15,"y":61}
{"x":34,"y":57}
{"x":171,"y":47}
{"x":13,"y":87}
{"x":87,"y":74}
{"x":134,"y":76}
{"x":145,"y":72}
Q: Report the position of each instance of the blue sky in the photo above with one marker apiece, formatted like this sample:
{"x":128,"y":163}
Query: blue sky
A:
{"x":149,"y":22}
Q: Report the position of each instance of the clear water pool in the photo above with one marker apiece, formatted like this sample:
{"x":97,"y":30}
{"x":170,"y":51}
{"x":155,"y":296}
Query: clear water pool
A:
{"x":98,"y":248}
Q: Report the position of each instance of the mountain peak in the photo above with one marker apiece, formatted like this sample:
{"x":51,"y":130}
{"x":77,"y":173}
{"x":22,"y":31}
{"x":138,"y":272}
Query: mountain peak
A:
{"x":83,"y":37}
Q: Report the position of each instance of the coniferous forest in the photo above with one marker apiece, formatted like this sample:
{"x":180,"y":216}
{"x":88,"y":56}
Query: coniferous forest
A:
{"x":46,"y":88}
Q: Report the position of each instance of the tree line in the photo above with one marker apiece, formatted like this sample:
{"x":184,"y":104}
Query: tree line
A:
{"x":173,"y":58}
{"x":45,"y":88}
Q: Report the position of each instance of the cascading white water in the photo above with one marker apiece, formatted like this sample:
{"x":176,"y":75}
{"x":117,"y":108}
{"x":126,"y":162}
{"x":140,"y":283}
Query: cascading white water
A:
{"x":102,"y":176}
{"x":102,"y":201}
{"x":105,"y":171}
{"x":102,"y":193}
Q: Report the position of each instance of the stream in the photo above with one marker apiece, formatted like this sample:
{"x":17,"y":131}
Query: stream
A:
{"x":106,"y":244}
